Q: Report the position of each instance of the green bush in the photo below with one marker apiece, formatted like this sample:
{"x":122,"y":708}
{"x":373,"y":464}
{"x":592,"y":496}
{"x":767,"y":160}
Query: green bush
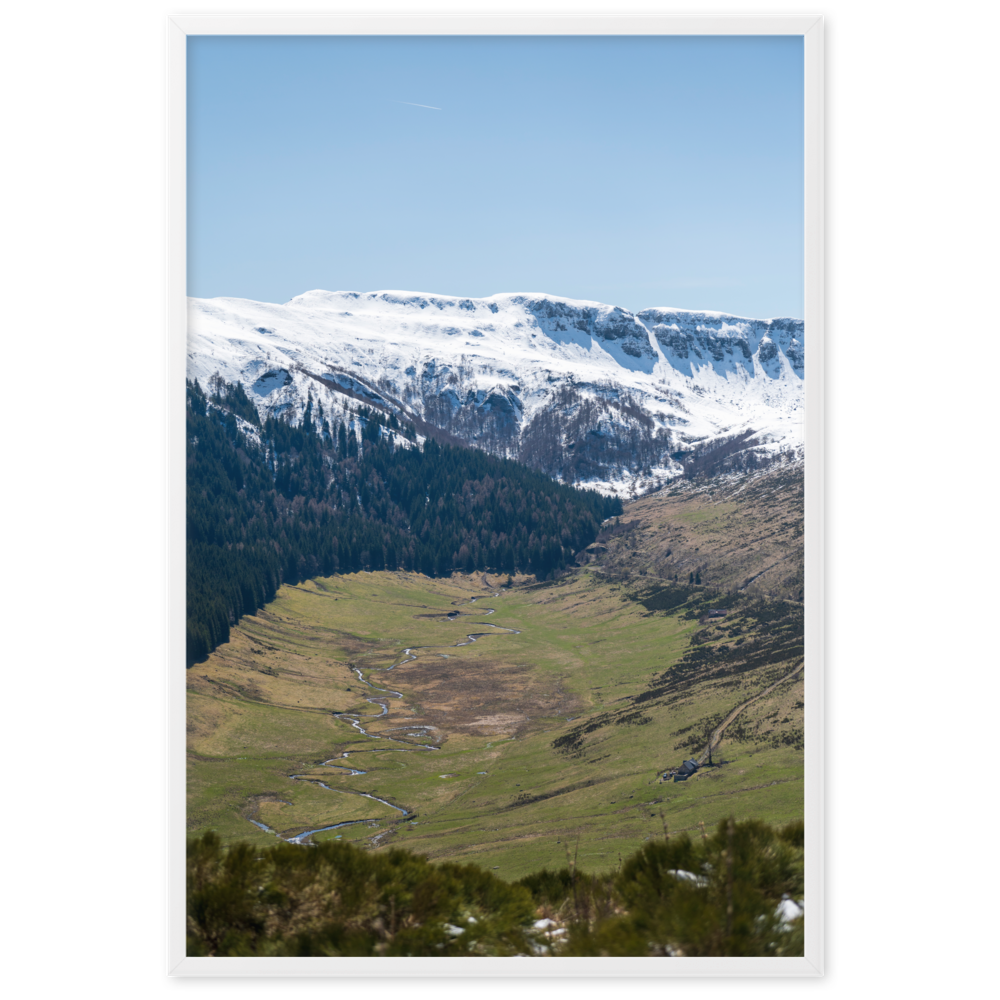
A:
{"x":335,"y":899}
{"x":549,"y":888}
{"x":716,"y":895}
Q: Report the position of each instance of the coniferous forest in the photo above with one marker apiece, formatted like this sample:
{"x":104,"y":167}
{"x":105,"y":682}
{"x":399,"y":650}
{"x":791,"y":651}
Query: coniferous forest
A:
{"x":349,"y":490}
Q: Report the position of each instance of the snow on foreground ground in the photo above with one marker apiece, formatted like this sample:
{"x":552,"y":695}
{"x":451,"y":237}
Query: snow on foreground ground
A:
{"x":491,"y":370}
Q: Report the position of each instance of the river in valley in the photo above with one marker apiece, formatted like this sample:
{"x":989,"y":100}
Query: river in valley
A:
{"x":380,"y":697}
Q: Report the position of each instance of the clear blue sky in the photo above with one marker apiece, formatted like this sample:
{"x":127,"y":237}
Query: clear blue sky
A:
{"x":639,"y":171}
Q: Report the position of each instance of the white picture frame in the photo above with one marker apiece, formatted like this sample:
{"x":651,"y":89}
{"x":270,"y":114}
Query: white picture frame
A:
{"x":811,"y":29}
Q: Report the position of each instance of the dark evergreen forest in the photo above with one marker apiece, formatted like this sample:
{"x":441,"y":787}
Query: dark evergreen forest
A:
{"x":271,"y":503}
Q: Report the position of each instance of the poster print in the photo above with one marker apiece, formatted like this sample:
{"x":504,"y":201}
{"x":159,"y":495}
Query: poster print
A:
{"x":495,"y":459}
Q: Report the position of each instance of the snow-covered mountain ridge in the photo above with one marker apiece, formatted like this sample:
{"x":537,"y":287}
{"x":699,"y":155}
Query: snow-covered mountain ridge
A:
{"x":591,"y":393}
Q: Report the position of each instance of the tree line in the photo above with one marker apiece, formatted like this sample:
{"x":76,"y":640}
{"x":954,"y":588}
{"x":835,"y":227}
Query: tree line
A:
{"x":274,"y":502}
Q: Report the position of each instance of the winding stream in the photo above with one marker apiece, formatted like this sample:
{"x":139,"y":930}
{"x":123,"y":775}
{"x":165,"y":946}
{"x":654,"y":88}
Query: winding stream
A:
{"x":409,"y":654}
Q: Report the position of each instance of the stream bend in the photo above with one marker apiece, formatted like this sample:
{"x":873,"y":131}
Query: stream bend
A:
{"x":381,"y":700}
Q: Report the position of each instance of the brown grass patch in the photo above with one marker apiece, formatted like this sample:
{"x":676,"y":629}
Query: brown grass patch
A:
{"x":491,"y":695}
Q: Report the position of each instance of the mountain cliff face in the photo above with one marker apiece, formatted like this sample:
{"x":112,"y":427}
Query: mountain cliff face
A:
{"x":690,"y":340}
{"x":588,"y":393}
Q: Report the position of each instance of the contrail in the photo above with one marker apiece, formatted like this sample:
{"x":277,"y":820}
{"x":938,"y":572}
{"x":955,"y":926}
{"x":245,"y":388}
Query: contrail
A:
{"x":412,"y":105}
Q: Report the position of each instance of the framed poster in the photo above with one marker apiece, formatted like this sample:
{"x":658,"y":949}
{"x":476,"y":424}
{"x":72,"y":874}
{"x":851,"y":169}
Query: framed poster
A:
{"x":623,"y":204}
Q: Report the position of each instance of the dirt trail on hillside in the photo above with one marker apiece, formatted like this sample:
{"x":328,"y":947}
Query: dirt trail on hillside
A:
{"x":717,"y":733}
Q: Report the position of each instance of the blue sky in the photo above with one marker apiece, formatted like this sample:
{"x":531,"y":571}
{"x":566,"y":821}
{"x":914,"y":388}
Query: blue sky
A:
{"x":637,"y":171}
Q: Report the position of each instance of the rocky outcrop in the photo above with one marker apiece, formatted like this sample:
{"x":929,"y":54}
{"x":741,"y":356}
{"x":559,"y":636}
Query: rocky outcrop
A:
{"x":727,"y":343}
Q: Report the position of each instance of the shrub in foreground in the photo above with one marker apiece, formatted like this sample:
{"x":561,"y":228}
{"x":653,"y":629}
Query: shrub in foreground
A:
{"x":716,"y":895}
{"x":336,"y":899}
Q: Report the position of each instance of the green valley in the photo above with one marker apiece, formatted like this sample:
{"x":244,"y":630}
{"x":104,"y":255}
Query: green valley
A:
{"x":544,"y":739}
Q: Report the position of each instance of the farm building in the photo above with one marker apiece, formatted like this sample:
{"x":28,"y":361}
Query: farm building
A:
{"x":688,"y":767}
{"x":683,"y":772}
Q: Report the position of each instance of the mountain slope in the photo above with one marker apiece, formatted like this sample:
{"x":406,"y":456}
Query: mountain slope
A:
{"x":586,"y":392}
{"x":271,"y":502}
